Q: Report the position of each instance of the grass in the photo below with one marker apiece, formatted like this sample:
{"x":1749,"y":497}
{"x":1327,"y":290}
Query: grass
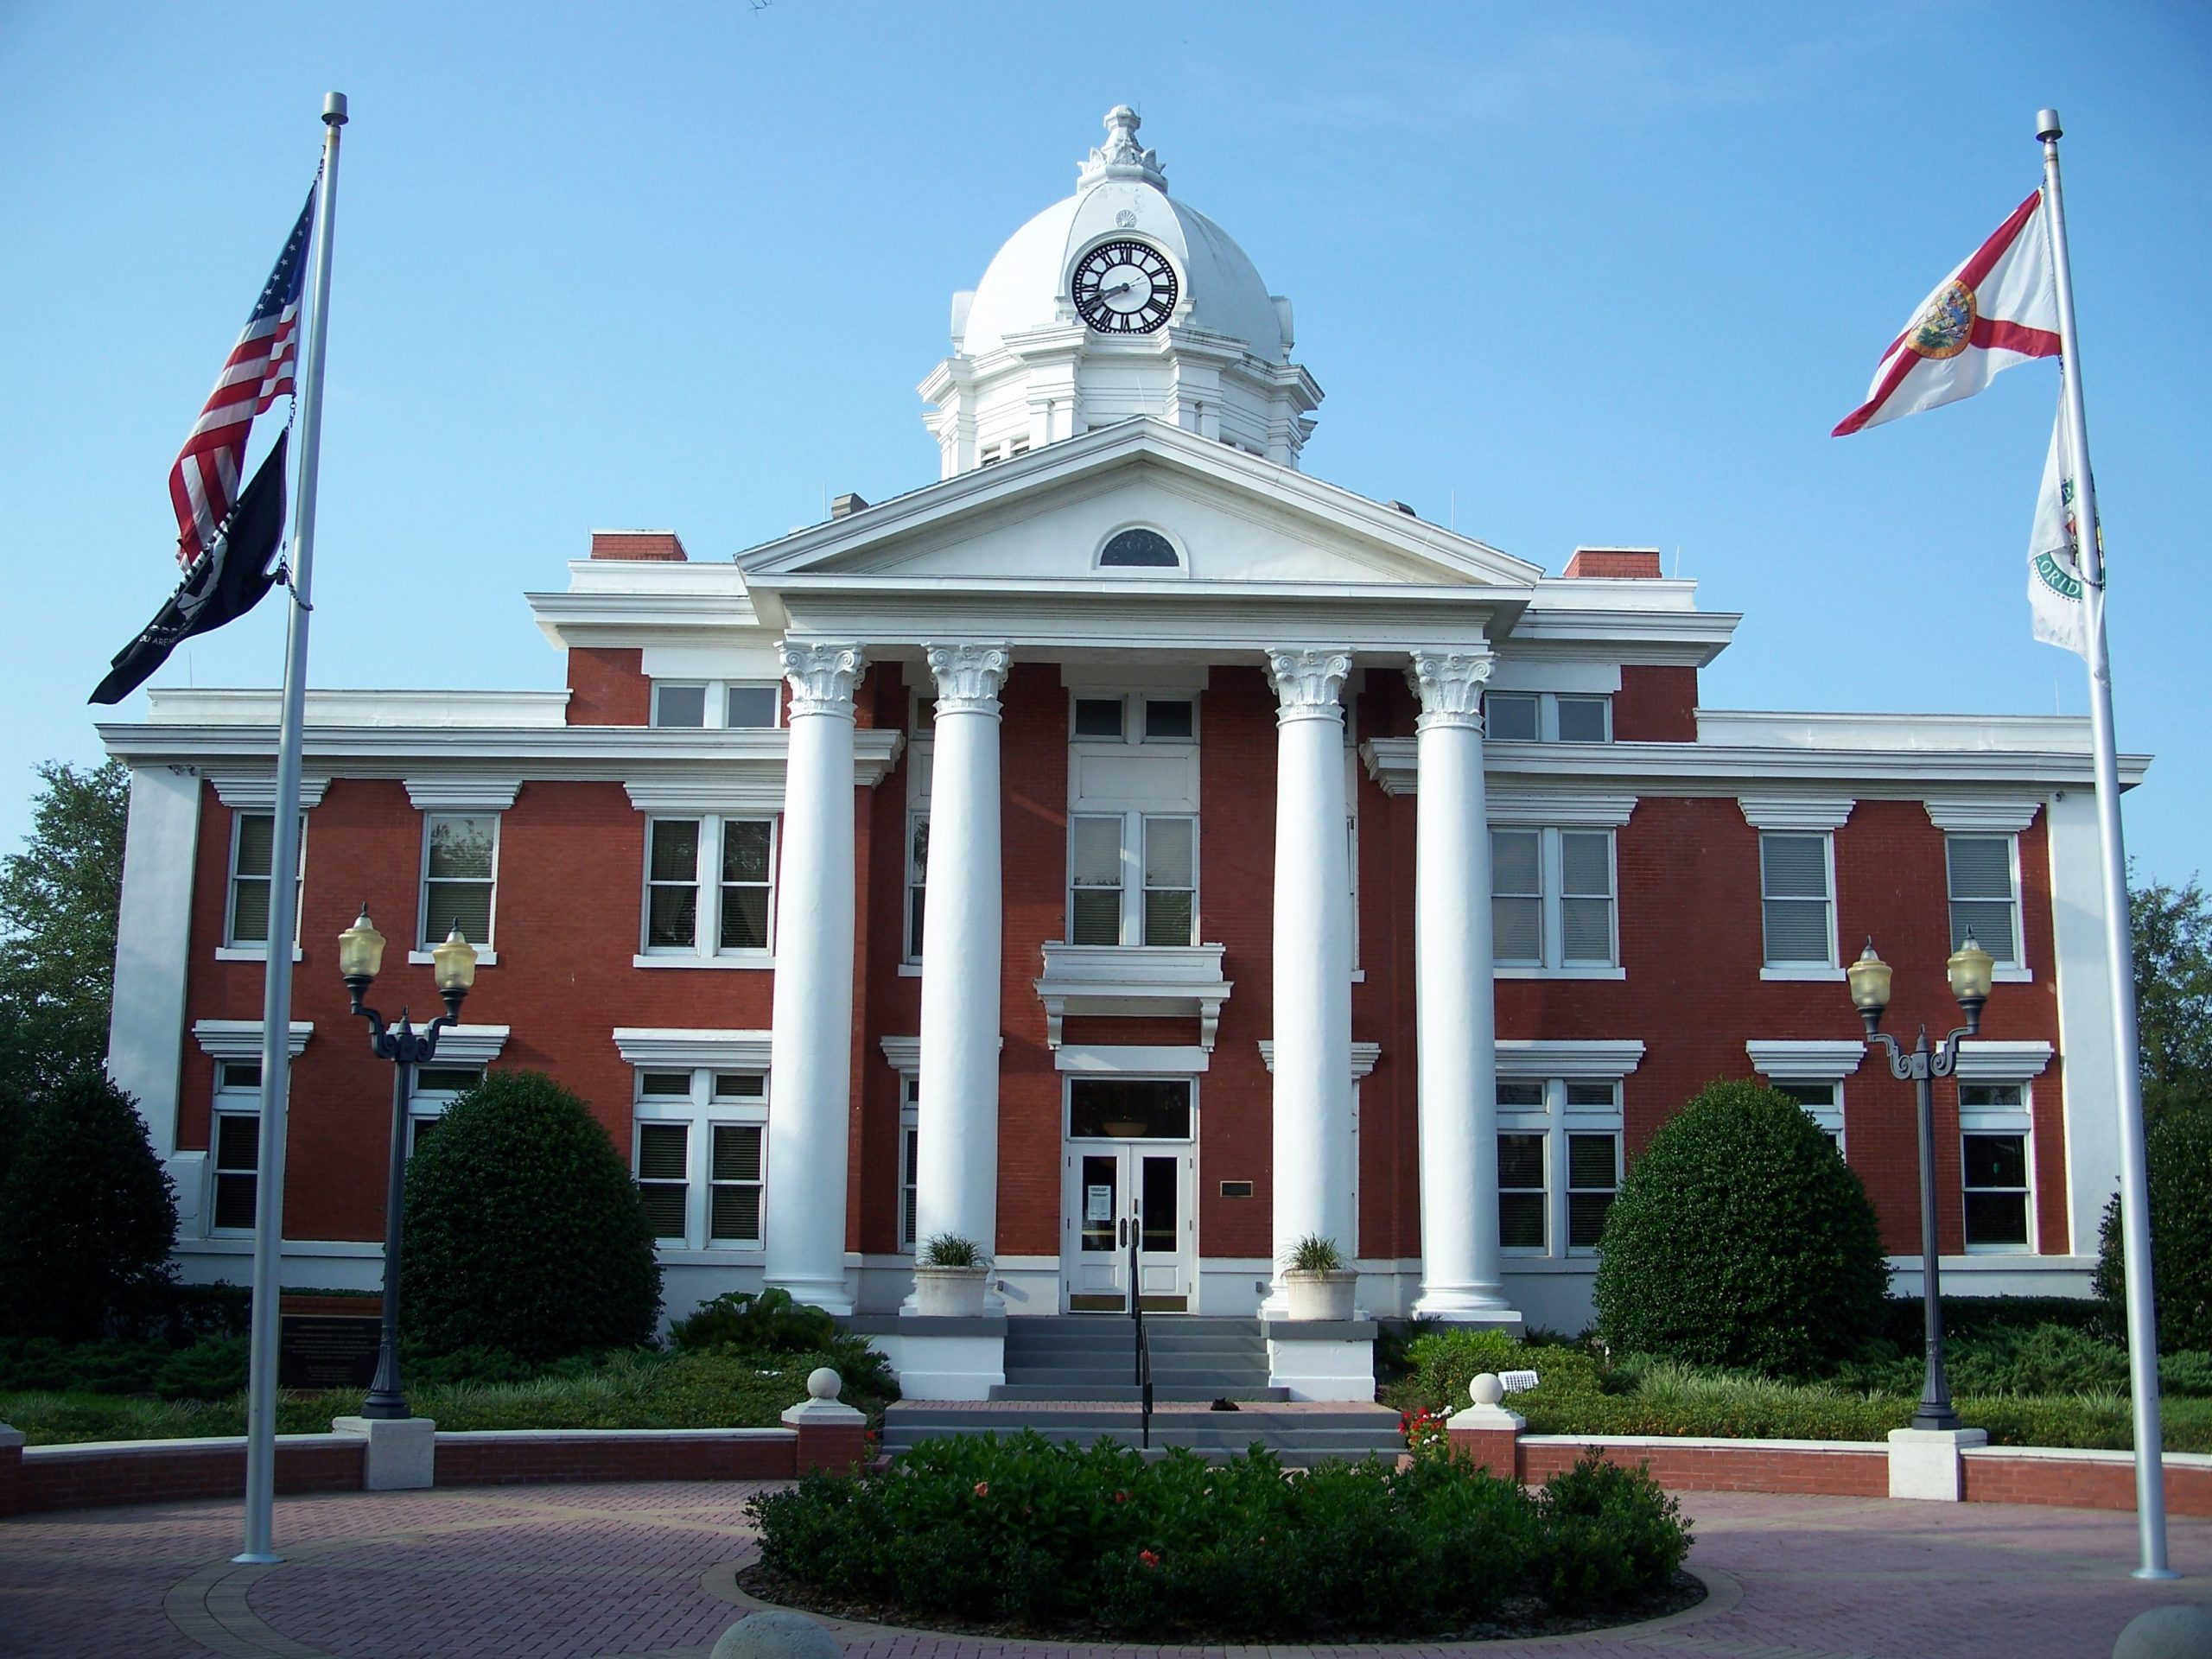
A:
{"x":629,"y":1390}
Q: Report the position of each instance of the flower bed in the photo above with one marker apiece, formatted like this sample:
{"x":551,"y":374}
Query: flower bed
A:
{"x":1061,"y":1541}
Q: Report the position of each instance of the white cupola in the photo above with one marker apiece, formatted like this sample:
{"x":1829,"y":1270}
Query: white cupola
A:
{"x":1116,"y":301}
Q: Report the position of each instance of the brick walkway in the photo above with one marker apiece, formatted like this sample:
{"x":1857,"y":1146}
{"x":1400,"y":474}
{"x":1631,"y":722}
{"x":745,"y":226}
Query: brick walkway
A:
{"x":597,"y":1572}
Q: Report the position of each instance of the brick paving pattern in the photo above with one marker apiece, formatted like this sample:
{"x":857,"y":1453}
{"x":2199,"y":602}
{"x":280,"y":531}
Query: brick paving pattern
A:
{"x":645,"y":1571}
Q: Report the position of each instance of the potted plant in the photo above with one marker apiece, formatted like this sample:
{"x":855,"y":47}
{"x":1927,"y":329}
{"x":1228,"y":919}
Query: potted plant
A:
{"x":948,"y":1277}
{"x":1316,"y":1281}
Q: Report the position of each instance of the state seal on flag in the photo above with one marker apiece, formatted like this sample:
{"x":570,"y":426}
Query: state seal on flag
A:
{"x":2056,"y":577}
{"x":1945,"y":327}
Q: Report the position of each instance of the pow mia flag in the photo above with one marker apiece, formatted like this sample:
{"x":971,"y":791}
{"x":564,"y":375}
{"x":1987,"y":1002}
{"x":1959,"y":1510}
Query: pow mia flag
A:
{"x":223,"y":584}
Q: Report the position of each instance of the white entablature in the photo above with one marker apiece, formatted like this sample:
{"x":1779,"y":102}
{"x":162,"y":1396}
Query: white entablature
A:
{"x":1025,"y":370}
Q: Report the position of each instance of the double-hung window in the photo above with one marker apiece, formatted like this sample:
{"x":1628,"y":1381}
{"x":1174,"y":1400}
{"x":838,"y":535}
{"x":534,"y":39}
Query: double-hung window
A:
{"x":460,"y":861}
{"x":709,"y":883}
{"x":436,"y":1087}
{"x":1133,"y":879}
{"x":1797,"y":899}
{"x":910,"y":1114}
{"x":1983,"y":881}
{"x":234,"y":1146}
{"x":1552,"y":904}
{"x":716,"y":703}
{"x":1559,"y":1163}
{"x":700,"y":1153}
{"x":1995,"y":1141}
{"x":1823,"y":1104}
{"x":253,"y":837}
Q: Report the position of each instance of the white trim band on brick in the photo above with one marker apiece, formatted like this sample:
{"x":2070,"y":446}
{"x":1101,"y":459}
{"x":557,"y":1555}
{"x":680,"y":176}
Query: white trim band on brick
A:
{"x":1790,"y":1061}
{"x":745,"y":1051}
{"x":462,"y":793}
{"x":241,"y":1039}
{"x":1128,"y":1058}
{"x":1797,"y":811}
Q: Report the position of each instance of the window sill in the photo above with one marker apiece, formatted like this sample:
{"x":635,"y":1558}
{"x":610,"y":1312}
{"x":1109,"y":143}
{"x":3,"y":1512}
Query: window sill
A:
{"x":751,"y":959}
{"x":2013,"y":975}
{"x":248,"y":953}
{"x":2000,"y":1249}
{"x":1523,"y":972}
{"x":423,"y":959}
{"x":673,"y":1253}
{"x":910,"y":970}
{"x":1806,"y":975}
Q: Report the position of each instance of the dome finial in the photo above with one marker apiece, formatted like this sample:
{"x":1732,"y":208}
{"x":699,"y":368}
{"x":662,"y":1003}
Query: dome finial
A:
{"x":1120,"y":156}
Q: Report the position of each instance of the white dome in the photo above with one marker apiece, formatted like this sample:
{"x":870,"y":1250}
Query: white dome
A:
{"x":1121,"y":190}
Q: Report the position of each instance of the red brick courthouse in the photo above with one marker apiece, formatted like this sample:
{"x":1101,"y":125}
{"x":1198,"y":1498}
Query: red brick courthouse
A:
{"x":1126,"y":823}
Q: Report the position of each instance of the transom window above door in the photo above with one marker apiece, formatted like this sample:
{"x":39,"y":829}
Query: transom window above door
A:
{"x":1136,"y":719}
{"x":1129,"y":1109}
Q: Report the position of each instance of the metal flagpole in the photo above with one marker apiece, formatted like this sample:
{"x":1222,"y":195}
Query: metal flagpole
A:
{"x":283,"y":900}
{"x":2134,"y":1175}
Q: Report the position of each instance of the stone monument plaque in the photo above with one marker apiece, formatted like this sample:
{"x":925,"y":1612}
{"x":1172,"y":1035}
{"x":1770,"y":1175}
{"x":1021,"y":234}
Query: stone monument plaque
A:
{"x":326,"y":1351}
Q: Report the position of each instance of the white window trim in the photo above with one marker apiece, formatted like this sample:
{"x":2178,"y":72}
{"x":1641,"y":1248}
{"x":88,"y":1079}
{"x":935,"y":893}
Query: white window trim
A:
{"x":909,"y":1122}
{"x":1818,"y":1061}
{"x":707,"y":917}
{"x":1551,"y":876}
{"x":668,"y":1048}
{"x":1133,"y":821}
{"x":1831,"y":969}
{"x":241,"y":1039}
{"x":1982,"y":1060}
{"x":486,"y":957}
{"x":700,"y":1112}
{"x":1181,"y":568}
{"x":2002,"y":1119}
{"x":2017,"y":971}
{"x":230,"y":950}
{"x":1798,"y":814}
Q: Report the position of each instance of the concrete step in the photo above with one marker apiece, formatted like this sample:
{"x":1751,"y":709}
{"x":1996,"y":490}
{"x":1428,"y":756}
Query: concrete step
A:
{"x":1297,"y":1432}
{"x":1162,"y":1392}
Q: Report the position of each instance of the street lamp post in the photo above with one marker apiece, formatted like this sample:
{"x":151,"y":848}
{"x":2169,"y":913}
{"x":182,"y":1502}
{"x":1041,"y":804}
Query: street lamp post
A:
{"x":1970,"y":968}
{"x":361,"y":956}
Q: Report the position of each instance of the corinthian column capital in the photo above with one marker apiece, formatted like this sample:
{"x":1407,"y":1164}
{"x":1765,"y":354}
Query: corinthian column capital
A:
{"x":1450,"y":686}
{"x":1309,"y":680}
{"x":822,"y":675}
{"x":969,"y":677}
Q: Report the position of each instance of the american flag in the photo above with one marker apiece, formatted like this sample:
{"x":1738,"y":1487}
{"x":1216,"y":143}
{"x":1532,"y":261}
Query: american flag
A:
{"x":205,"y":480}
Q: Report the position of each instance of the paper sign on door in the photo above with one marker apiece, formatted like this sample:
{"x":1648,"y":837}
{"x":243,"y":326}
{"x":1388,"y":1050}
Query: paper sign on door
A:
{"x":1098,"y":1204}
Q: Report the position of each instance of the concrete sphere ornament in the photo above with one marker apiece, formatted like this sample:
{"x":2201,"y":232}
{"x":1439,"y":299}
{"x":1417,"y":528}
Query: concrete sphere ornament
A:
{"x":2179,"y":1632}
{"x":823,"y":1383}
{"x":1485,"y":1389}
{"x":773,"y":1634}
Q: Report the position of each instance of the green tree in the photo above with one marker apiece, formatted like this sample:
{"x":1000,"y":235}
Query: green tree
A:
{"x":2173,"y":996}
{"x":87,"y":1217}
{"x":2180,"y":1168}
{"x":58,"y":902}
{"x":1741,"y":1238}
{"x":524,"y":1229}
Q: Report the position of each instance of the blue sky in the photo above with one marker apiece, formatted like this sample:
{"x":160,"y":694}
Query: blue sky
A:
{"x":1575,"y":274}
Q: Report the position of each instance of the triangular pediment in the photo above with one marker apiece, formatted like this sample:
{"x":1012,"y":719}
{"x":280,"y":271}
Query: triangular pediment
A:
{"x":1232,"y":518}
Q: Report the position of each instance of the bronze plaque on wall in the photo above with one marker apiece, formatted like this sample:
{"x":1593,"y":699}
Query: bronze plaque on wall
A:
{"x":326,"y":1351}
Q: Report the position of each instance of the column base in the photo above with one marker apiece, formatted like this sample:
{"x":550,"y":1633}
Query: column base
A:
{"x":827,"y":1294}
{"x":1480,"y":1307}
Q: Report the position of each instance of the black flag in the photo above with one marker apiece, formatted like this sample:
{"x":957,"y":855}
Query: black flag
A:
{"x":224,"y":583}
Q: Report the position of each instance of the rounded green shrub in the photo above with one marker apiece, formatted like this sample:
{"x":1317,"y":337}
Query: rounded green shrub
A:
{"x":2180,"y":1153}
{"x":523,"y":1230}
{"x":1740,"y":1238}
{"x":88,"y":1216}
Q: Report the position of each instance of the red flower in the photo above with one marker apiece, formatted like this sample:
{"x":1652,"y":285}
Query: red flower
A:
{"x":983,"y":1488}
{"x":1120,"y":1497}
{"x":1148,"y":1558}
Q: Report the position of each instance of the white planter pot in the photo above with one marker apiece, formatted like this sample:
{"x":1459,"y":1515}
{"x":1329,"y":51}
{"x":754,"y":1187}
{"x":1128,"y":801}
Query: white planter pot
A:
{"x":1320,"y":1295}
{"x":949,"y":1292}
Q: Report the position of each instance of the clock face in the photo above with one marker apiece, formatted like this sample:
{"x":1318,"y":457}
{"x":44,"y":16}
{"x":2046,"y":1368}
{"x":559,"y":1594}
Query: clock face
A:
{"x":1124,"y":288}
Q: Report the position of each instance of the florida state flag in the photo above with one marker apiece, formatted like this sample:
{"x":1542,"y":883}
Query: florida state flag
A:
{"x":2000,"y":308}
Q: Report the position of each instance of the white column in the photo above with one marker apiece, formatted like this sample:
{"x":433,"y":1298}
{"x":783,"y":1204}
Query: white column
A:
{"x":956,"y":1143}
{"x":1312,"y":957}
{"x":810,"y":1077}
{"x":1455,"y":993}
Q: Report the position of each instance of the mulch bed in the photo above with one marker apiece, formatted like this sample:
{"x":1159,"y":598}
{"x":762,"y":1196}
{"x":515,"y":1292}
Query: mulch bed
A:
{"x":1517,"y":1620}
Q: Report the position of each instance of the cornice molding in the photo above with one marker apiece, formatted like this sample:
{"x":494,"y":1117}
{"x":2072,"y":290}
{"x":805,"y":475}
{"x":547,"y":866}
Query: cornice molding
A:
{"x":1364,"y":1056}
{"x":1989,"y":815}
{"x":1981,"y":1061}
{"x":760,"y":796}
{"x":256,"y":792}
{"x":1568,"y":809}
{"x":1592,"y":1058}
{"x":241,"y":1039}
{"x":674,"y":1047}
{"x":471,"y":1045}
{"x":1797,"y":811}
{"x":462,"y":792}
{"x":1812,"y":1061}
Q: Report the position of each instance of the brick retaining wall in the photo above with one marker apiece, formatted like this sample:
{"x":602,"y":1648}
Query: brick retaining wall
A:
{"x":2081,"y":1480}
{"x":537,"y":1456}
{"x":168,"y":1471}
{"x":1824,"y":1467}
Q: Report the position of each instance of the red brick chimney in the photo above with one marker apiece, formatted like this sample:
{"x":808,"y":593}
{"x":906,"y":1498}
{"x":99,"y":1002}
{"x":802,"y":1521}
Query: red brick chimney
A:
{"x":659,"y":546}
{"x":1616,"y":563}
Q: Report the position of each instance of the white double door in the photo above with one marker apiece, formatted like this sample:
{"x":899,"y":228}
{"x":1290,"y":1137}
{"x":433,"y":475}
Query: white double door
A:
{"x":1126,"y":1209}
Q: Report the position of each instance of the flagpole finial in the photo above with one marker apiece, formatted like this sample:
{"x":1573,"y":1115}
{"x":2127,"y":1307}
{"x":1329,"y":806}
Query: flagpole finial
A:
{"x":333,"y":109}
{"x":2047,"y":124}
